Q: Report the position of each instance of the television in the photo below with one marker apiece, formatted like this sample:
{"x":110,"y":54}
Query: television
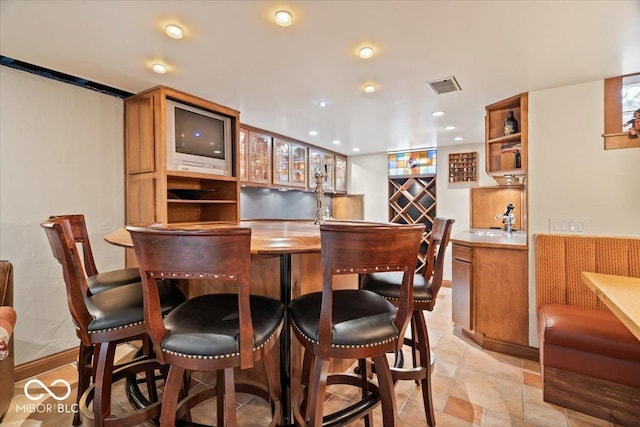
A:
{"x":198,"y":140}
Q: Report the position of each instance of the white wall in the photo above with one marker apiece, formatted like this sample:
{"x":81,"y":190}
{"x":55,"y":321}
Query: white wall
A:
{"x":61,"y":151}
{"x":570,"y":173}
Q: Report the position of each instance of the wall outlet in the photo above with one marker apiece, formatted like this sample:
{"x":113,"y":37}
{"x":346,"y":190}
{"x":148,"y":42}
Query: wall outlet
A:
{"x":567,"y":225}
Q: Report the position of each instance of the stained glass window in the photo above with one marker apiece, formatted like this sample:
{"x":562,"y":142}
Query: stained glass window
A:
{"x":412,"y":163}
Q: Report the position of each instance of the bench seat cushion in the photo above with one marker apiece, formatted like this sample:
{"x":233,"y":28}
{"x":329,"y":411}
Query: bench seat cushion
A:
{"x":590,"y":342}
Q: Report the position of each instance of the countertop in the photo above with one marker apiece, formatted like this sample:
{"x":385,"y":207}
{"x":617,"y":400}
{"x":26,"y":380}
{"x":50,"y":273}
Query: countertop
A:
{"x":491,"y":238}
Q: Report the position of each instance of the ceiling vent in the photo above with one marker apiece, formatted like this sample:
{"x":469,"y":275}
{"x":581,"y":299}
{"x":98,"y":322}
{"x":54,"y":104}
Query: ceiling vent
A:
{"x":446,"y":85}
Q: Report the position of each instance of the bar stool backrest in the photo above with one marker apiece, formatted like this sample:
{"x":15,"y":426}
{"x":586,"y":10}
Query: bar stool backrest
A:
{"x":367,"y":248}
{"x":219,"y":253}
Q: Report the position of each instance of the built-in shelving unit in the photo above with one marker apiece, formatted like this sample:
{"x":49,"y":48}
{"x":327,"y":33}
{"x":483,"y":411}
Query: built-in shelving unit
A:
{"x":506,"y":154}
{"x":463,"y":167}
{"x":149,"y":199}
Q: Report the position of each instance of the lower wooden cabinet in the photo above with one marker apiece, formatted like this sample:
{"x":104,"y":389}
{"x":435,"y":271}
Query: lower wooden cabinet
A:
{"x":490,"y":295}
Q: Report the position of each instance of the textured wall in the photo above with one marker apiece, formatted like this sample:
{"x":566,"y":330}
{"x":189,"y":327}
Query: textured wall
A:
{"x":61,"y":151}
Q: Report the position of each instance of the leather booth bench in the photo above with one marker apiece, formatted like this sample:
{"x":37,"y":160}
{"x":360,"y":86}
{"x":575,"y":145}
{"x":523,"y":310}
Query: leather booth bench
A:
{"x":7,"y":319}
{"x":590,"y":361}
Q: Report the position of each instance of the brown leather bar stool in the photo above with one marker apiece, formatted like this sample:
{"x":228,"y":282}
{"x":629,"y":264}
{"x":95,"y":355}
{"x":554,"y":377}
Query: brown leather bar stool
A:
{"x":211,"y":332}
{"x":96,"y":282}
{"x":354,"y":323}
{"x":103,"y":321}
{"x":425,"y":291}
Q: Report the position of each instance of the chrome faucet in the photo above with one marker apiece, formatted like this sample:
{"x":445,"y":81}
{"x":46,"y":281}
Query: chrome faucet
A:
{"x":508,"y":218}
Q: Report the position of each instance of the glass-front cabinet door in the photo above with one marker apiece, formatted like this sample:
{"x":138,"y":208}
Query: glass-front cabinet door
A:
{"x":341,"y":174}
{"x":321,"y":161}
{"x":298,"y":165}
{"x":242,"y":153}
{"x":289,"y":163}
{"x":259,"y":158}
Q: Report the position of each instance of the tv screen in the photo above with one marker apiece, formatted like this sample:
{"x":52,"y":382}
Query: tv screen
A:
{"x":199,"y":135}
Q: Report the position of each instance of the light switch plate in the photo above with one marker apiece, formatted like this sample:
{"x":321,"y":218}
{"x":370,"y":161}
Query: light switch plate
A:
{"x":567,"y":225}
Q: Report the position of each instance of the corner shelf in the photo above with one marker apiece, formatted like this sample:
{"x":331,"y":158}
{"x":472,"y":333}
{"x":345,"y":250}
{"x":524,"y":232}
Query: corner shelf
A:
{"x":506,"y":154}
{"x":463,"y":167}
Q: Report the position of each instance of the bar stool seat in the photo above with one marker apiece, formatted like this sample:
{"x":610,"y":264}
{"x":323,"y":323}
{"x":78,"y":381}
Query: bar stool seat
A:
{"x":112,"y":279}
{"x":207,"y":325}
{"x":360,"y":318}
{"x":387,"y":285}
{"x":122,"y":306}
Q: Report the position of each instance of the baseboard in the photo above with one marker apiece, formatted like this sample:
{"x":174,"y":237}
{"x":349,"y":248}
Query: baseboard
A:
{"x":47,"y":363}
{"x":593,"y":396}
{"x":512,"y":349}
{"x":446,"y":284}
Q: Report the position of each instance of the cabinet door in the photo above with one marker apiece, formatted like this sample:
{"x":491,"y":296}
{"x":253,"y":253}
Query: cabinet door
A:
{"x":242,"y":153}
{"x":315,"y":165}
{"x":461,"y":289}
{"x":329,"y":163}
{"x":298,"y":165}
{"x":341,"y":174}
{"x":281,"y":162}
{"x":259,"y":156}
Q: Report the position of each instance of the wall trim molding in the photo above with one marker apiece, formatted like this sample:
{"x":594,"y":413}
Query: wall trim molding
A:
{"x":44,"y":364}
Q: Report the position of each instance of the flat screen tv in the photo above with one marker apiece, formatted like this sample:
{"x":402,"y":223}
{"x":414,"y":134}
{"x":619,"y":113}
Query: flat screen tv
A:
{"x":198,"y":140}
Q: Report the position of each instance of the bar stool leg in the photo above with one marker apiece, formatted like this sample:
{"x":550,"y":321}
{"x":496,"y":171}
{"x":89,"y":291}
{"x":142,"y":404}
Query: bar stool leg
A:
{"x":103,"y":379}
{"x":424,"y":350}
{"x":316,"y":392}
{"x":387,"y":391}
{"x":85,"y":353}
{"x":172,"y":389}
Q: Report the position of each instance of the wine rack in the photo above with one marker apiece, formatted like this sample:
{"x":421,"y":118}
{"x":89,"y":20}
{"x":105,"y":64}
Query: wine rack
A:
{"x":463,"y":167}
{"x":413,"y":201}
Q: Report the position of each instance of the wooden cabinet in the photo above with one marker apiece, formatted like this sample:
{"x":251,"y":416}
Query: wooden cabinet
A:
{"x":258,"y":158}
{"x":149,"y":185}
{"x":289,"y":163}
{"x":490,"y":298}
{"x":325,"y":162}
{"x":507,"y":154}
{"x":341,"y":174}
{"x":462,"y":167}
{"x":243,"y":159}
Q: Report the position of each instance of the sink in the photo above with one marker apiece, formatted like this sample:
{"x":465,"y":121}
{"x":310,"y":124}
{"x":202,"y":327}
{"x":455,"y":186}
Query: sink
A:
{"x":487,"y":232}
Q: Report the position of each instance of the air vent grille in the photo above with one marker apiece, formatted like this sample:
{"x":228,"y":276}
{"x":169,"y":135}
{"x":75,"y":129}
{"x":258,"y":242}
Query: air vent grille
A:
{"x":446,"y":85}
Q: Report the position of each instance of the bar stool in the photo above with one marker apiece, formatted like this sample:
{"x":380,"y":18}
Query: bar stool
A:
{"x":212,"y":332}
{"x":103,"y":321}
{"x":96,"y":282}
{"x":425,"y":291}
{"x":354,"y":323}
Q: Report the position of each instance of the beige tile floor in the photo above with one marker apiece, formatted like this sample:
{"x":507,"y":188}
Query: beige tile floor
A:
{"x":472,"y":387}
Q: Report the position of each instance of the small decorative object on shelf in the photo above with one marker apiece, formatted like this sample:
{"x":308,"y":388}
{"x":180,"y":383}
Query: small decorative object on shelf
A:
{"x":510,"y":124}
{"x":634,"y":124}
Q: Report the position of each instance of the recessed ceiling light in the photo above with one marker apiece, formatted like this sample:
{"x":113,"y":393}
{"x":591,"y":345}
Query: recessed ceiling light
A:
{"x":159,"y":68}
{"x":313,"y":132}
{"x":356,"y":149}
{"x":365,"y":52}
{"x":458,"y":138}
{"x":437,"y":113}
{"x":336,"y":142}
{"x":369,"y":88}
{"x":174,"y":31}
{"x":450,"y":127}
{"x":284,"y":18}
{"x":323,"y":103}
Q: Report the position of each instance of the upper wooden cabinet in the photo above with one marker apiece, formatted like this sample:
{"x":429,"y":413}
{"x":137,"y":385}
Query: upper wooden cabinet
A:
{"x":259,"y":157}
{"x":506,"y":152}
{"x":289,"y":163}
{"x":320,"y":160}
{"x":157,"y":195}
{"x":341,"y":174}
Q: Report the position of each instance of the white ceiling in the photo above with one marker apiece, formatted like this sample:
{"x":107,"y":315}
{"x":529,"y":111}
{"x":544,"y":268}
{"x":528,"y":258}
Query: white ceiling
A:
{"x":234,"y":55}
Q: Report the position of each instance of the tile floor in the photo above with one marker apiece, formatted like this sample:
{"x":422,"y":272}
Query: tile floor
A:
{"x":472,"y":387}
